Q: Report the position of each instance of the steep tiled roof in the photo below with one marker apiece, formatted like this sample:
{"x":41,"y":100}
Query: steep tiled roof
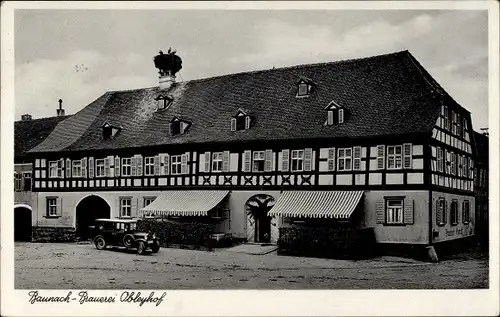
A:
{"x":30,"y":133}
{"x":384,"y":95}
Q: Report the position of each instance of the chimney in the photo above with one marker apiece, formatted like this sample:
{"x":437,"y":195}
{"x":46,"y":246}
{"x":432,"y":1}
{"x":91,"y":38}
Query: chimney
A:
{"x":60,"y":111}
{"x":168,"y":65}
{"x":26,"y":117}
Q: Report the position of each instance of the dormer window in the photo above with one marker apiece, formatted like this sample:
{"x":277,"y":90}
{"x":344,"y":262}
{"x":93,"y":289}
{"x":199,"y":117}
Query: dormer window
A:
{"x":163,"y":102}
{"x":241,"y":121}
{"x":109,"y":131}
{"x":178,"y":126}
{"x":305,"y":87}
{"x":336,"y":113}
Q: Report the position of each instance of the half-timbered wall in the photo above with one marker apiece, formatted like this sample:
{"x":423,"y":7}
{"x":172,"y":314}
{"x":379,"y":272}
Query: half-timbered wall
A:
{"x":452,"y":163}
{"x":399,"y":164}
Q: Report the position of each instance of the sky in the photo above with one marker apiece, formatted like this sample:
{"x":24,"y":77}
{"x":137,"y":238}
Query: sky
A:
{"x":78,"y":55}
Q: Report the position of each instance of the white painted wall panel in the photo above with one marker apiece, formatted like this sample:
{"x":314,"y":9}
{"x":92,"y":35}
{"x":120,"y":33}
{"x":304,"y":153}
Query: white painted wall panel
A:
{"x":375,"y":179}
{"x":137,"y":182}
{"x":394,"y":179}
{"x":344,"y":179}
{"x":418,"y":163}
{"x":323,"y":153}
{"x":373,"y":165}
{"x":323,"y":166}
{"x":415,"y":178}
{"x":359,"y":179}
{"x":110,"y":182}
{"x":418,"y":150}
{"x":233,"y":162}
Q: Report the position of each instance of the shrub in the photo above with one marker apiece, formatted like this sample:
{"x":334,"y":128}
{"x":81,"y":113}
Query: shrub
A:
{"x":182,"y":233}
{"x":327,"y":242}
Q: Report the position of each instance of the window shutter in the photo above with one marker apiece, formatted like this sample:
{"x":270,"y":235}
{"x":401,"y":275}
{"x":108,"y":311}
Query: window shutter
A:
{"x":357,"y":158}
{"x":247,"y":161}
{"x":380,"y":209}
{"x":157,"y":164}
{"x":268,"y":165}
{"x":170,"y":128}
{"x":439,"y":211}
{"x":233,"y":124}
{"x":166,"y":167}
{"x":408,"y":211}
{"x":68,"y":168}
{"x":133,"y":206}
{"x":207,"y":162}
{"x":331,"y":159}
{"x":448,"y":159}
{"x":225,"y":161}
{"x":459,"y":169}
{"x":60,"y":167}
{"x":247,"y":122}
{"x":341,"y":115}
{"x":184,"y":159}
{"x":138,"y":162}
{"x":445,"y":212}
{"x":329,"y":120}
{"x":380,"y":157}
{"x":407,"y":155}
{"x":59,"y":206}
{"x":107,"y":165}
{"x":91,"y":167}
{"x":133,"y":167}
{"x":307,"y":159}
{"x":285,"y":163}
{"x":84,"y":167}
{"x":117,"y":165}
{"x":464,"y":219}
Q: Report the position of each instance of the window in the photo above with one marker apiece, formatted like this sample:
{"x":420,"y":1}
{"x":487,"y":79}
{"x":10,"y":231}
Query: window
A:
{"x":148,"y":201}
{"x":453,"y":163}
{"x":149,"y":166}
{"x":394,"y":158}
{"x":176,"y":164}
{"x":125,"y":207}
{"x":297,"y":160}
{"x":17,"y":182}
{"x":164,"y":102}
{"x":446,"y":118}
{"x":303,"y":89}
{"x":107,"y":131}
{"x":258,"y":161}
{"x":441,"y":211}
{"x":341,"y":115}
{"x":454,"y":212}
{"x":329,"y":119}
{"x":176,"y":127}
{"x":394,"y":211}
{"x":460,"y":130}
{"x":53,"y":169}
{"x":99,"y":168}
{"x":51,"y":206}
{"x":217,"y":162}
{"x":440,"y":160}
{"x":27,"y":181}
{"x":345,"y":159}
{"x":453,"y":122}
{"x":126,"y":166}
{"x":77,"y":168}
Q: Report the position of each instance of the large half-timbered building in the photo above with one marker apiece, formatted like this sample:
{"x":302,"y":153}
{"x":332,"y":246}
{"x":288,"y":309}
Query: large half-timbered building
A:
{"x":375,"y":141}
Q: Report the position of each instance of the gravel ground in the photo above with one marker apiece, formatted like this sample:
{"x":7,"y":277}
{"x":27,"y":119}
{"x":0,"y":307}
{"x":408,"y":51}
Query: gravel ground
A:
{"x":81,"y":266}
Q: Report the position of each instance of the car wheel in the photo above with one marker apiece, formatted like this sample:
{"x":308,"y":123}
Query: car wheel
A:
{"x":100,"y":243}
{"x":141,"y":247}
{"x":128,"y":241}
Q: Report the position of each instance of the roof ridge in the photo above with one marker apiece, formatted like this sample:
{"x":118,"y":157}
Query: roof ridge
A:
{"x":44,"y":118}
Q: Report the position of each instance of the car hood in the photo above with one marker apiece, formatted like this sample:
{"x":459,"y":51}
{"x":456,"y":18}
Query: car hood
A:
{"x":141,"y":235}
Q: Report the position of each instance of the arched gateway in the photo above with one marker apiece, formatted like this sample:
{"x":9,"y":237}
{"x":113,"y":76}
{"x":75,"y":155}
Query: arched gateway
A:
{"x":22,"y":222}
{"x":260,"y":226}
{"x":90,"y":208}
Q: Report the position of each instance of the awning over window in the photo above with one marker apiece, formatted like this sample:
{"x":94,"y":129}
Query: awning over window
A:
{"x":317,"y":204}
{"x":185,"y":202}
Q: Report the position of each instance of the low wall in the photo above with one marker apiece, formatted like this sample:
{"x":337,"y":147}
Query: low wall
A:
{"x":53,"y":234}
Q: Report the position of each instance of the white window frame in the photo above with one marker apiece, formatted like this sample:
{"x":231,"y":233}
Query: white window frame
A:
{"x":297,"y":160}
{"x":394,"y":156}
{"x":51,"y":206}
{"x":342,"y":156}
{"x":100,"y":168}
{"x":394,"y":213}
{"x":150,"y":200}
{"x":446,"y":124}
{"x":149,"y":165}
{"x":454,"y":213}
{"x":301,"y":85}
{"x":126,"y":166}
{"x":440,"y":159}
{"x":53,"y":167}
{"x":17,"y":182}
{"x":341,"y":115}
{"x":76,"y":168}
{"x":126,"y":207}
{"x":257,"y":157}
{"x":217,"y":162}
{"x":329,"y":119}
{"x":176,"y":165}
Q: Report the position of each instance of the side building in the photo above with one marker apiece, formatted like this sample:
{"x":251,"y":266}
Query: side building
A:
{"x":28,"y":133}
{"x":481,"y":177}
{"x":374,"y":142}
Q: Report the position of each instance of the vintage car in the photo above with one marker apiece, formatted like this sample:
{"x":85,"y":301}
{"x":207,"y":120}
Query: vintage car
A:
{"x":123,"y":233}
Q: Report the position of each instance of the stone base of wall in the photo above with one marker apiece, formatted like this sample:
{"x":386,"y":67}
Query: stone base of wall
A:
{"x":53,"y":234}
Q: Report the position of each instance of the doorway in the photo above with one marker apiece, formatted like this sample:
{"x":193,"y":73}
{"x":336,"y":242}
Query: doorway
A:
{"x":22,"y":224}
{"x":87,"y":211}
{"x":258,"y":220}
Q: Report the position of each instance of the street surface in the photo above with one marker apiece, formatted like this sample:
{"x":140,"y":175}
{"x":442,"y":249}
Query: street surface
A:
{"x":81,"y":266}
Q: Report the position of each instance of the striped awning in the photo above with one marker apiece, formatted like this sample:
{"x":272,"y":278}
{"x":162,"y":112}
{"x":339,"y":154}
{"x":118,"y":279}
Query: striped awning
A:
{"x":185,"y":202}
{"x":316,"y":204}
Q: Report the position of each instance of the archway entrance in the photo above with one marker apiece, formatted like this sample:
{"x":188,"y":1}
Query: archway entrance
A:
{"x":88,"y":210}
{"x":259,"y":223}
{"x":22,"y":224}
